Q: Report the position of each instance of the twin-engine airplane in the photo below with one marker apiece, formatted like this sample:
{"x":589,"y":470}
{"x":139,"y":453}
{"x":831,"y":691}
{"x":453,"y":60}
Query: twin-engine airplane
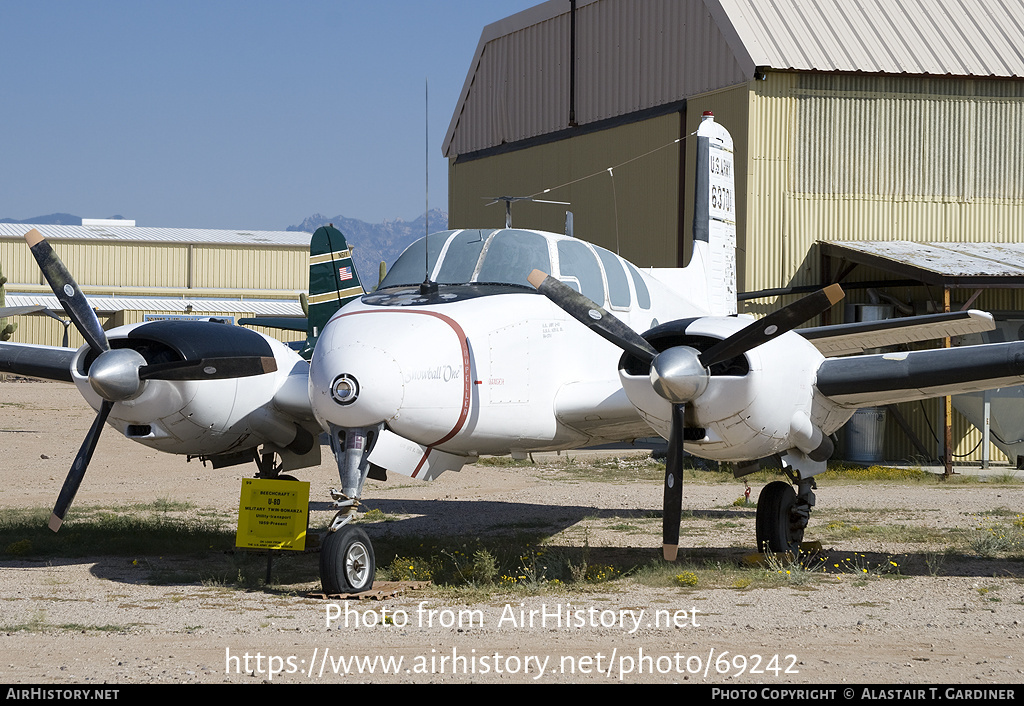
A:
{"x":468,"y":347}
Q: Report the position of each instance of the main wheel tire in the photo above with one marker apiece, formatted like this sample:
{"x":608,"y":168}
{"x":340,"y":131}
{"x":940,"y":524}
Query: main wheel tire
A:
{"x":776,"y":531}
{"x":347,"y":564}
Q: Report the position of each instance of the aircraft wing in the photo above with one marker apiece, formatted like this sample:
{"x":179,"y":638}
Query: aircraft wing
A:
{"x":889,"y":378}
{"x":46,"y":362}
{"x":847,"y":339}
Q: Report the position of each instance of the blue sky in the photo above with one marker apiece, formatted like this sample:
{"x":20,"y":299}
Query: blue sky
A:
{"x":230,"y":114}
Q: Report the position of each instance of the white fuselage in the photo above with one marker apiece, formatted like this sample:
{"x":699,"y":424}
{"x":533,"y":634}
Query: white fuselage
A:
{"x":512,"y":373}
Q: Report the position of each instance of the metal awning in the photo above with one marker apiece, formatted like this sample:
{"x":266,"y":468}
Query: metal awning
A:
{"x":949,"y":265}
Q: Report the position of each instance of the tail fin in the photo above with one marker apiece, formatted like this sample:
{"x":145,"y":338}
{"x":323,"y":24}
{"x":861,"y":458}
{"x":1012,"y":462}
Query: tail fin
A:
{"x":714,"y":216}
{"x":333,"y":280}
{"x":709,"y":280}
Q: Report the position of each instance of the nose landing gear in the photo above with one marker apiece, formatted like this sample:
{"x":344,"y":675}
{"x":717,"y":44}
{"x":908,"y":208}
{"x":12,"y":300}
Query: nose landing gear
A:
{"x":347,"y":562}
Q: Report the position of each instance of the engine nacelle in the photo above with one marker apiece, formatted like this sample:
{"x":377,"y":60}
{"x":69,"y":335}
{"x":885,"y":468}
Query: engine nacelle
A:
{"x":201,"y":417}
{"x":758,"y":404}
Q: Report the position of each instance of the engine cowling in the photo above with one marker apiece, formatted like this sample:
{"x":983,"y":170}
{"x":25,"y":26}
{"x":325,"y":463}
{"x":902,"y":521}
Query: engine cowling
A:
{"x":751,"y":406}
{"x":197,"y":417}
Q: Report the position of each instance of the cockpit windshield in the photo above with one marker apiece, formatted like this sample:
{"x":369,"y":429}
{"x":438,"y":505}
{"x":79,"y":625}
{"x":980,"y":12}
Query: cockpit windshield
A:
{"x":496,"y":259}
{"x":471,"y":256}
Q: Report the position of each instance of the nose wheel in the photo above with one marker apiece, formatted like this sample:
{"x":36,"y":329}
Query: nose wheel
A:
{"x":347,"y":563}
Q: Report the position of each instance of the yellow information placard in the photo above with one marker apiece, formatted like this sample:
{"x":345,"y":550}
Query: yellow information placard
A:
{"x":273,"y":514}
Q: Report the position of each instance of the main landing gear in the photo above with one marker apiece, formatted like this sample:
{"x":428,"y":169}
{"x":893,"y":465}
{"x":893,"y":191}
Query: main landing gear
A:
{"x":347,"y":563}
{"x":782,"y":515}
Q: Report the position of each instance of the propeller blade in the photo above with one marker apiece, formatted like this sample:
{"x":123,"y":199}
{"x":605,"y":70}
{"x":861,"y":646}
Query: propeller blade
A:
{"x":67,"y":291}
{"x":77,"y":472}
{"x":773,"y":325}
{"x":672,"y":504}
{"x":592,"y":316}
{"x":209,"y":368}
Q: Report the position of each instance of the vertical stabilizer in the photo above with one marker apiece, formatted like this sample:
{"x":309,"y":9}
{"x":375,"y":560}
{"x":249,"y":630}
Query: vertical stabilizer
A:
{"x":714,"y":216}
{"x":333,"y":281}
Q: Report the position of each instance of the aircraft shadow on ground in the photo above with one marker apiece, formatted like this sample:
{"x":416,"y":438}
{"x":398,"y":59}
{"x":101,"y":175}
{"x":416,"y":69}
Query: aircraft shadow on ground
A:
{"x":459,"y":517}
{"x":529,"y":523}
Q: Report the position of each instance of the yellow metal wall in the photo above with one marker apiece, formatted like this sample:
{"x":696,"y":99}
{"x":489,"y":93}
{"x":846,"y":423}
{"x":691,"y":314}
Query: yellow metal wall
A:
{"x":249,"y":268}
{"x":155,"y":269}
{"x":851,"y":157}
{"x":141,"y":269}
{"x":634,"y":210}
{"x":848,"y":157}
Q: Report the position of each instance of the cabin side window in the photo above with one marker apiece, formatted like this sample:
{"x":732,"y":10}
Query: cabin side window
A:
{"x":618,"y":285}
{"x":643,"y":297}
{"x":577,"y":260}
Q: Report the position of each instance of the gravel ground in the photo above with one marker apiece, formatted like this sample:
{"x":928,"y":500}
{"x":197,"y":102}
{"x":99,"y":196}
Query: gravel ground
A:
{"x":114,"y":619}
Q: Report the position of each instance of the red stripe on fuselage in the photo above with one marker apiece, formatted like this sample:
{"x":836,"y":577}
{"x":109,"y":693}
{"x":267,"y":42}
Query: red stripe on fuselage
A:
{"x":466,"y":381}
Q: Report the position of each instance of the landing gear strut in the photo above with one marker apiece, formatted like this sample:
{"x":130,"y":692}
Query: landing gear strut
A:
{"x":347,"y":563}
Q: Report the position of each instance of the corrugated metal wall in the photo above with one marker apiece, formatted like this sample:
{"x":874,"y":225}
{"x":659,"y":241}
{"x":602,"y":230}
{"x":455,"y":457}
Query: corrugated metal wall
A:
{"x":155,"y":269}
{"x":43,"y":330}
{"x":249,"y":268}
{"x":854,"y":157}
{"x":846,"y":157}
{"x":631,"y":55}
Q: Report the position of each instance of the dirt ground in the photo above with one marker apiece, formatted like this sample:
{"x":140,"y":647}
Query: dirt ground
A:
{"x":118,"y":619}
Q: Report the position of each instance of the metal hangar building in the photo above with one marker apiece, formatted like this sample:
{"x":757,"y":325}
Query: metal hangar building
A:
{"x":131,"y":274}
{"x":863,"y":131}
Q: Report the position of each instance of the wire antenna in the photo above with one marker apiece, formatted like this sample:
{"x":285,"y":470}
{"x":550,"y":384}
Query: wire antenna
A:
{"x":508,"y":204}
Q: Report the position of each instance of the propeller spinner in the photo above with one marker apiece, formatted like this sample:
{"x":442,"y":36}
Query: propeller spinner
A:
{"x":118,"y":374}
{"x":681,"y":374}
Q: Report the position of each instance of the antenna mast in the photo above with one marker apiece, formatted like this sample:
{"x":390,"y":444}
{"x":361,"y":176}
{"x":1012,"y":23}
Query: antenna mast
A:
{"x":427,"y":287}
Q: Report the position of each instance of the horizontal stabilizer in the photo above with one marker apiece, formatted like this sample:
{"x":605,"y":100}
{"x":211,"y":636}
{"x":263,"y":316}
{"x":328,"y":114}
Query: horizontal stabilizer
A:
{"x":285,"y":323}
{"x":847,"y":339}
{"x":861,"y":381}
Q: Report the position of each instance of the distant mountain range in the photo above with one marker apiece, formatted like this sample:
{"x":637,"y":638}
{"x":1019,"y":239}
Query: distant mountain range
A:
{"x":372,"y":242}
{"x":54,"y":219}
{"x":376,"y":242}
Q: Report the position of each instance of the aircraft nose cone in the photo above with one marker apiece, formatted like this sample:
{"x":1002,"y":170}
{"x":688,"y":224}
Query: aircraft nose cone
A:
{"x":354,"y":385}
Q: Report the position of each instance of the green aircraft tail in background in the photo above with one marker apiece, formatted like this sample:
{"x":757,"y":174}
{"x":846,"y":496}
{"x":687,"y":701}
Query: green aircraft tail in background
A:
{"x":333,"y":283}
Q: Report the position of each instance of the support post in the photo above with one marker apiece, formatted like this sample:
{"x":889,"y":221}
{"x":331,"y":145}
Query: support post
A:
{"x":947,"y":407}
